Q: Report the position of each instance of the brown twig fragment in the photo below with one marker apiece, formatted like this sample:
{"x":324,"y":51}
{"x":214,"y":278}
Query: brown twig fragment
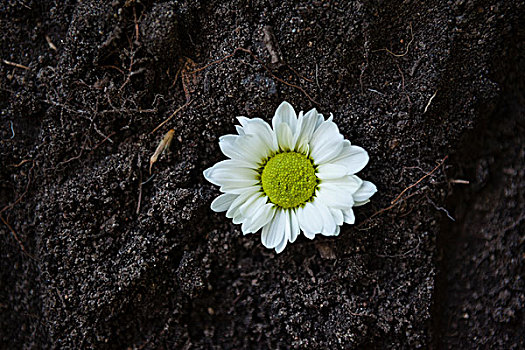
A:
{"x":17,"y":65}
{"x":163,"y":145}
{"x":418,"y":181}
{"x":50,"y":43}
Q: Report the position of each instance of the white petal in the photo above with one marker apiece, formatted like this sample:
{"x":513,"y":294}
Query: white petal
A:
{"x":227,"y":177}
{"x":248,"y":148}
{"x":273,"y":232}
{"x":327,"y":218}
{"x":348,"y":183}
{"x":335,"y":232}
{"x":287,"y":232}
{"x":223,"y":202}
{"x":236,"y":189}
{"x":280,"y":247}
{"x":259,"y":127}
{"x":260,"y":218}
{"x":239,"y":129}
{"x":227,"y":146}
{"x":309,"y":235}
{"x":320,"y":120}
{"x":251,"y":206}
{"x":294,"y":226}
{"x":358,"y":204}
{"x":364,"y":192}
{"x":337,"y":214}
{"x":238,"y":218}
{"x":326,"y":143}
{"x":240,"y":200}
{"x":305,"y":129}
{"x":237,"y":186}
{"x":334,"y":197}
{"x":354,"y":158}
{"x":252,"y":147}
{"x":232,"y":164}
{"x":231,"y":179}
{"x":331,"y":171}
{"x":349,"y":216}
{"x":284,"y":137}
{"x":309,"y":220}
{"x":285,"y":114}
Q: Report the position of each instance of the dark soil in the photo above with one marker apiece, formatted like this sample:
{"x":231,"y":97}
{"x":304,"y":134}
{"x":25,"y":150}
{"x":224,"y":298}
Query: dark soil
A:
{"x":96,"y":254}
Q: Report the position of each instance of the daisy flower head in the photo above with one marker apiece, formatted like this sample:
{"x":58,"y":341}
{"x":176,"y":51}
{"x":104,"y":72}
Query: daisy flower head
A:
{"x":297,"y":175}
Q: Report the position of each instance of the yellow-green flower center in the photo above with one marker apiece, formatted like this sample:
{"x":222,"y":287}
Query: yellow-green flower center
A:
{"x":288,"y":179}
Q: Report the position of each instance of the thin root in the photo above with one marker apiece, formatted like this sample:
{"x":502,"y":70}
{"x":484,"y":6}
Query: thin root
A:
{"x":398,"y":200}
{"x":418,"y":181}
{"x":19,"y":199}
{"x":441,"y":209}
{"x":171,"y":116}
{"x":407,"y":48}
{"x":16,"y":238}
{"x":104,"y":140}
{"x":21,"y":163}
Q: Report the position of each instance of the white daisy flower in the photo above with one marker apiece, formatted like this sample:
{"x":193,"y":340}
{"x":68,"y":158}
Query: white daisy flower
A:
{"x":297,"y":176}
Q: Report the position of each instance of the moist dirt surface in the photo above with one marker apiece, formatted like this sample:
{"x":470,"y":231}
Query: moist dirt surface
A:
{"x":97,"y":253}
